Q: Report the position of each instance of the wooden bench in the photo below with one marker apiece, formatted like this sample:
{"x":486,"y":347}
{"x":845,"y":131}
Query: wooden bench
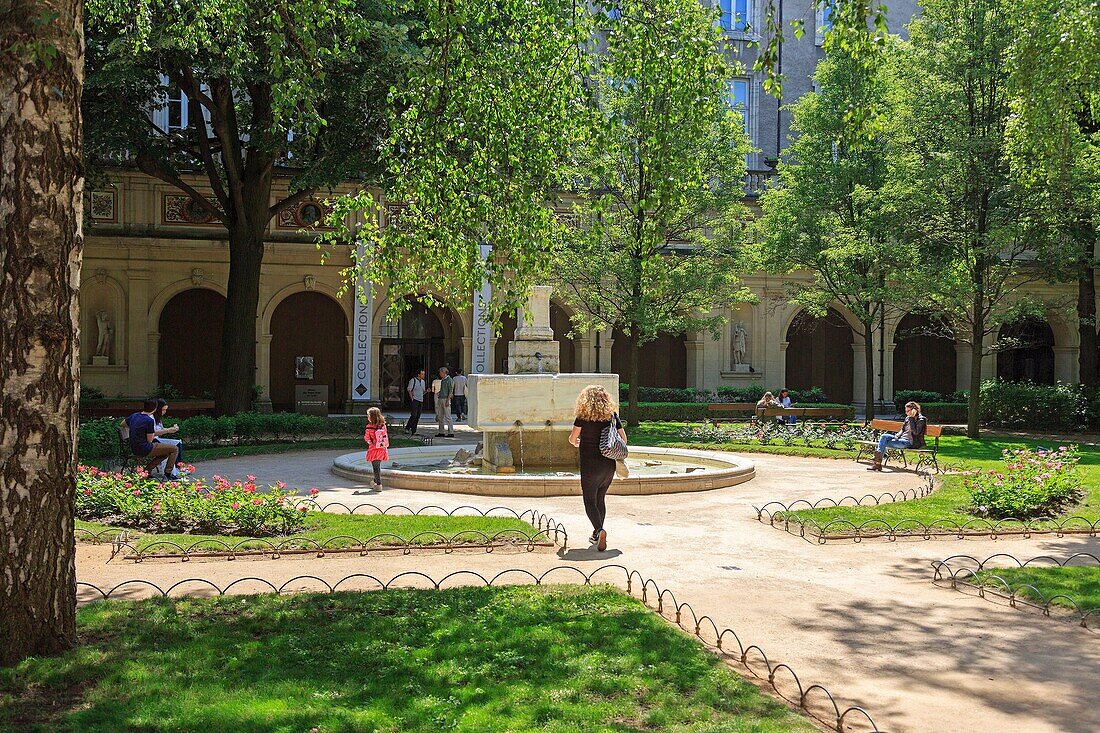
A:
{"x":734,"y":409}
{"x":926,"y":456}
{"x":126,"y":460}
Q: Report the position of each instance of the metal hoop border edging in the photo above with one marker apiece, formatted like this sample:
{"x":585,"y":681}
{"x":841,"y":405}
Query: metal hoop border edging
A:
{"x":962,"y":570}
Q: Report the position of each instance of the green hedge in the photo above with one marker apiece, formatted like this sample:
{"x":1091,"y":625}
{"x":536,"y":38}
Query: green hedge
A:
{"x":939,"y":413}
{"x":695,"y":411}
{"x":747,"y":393}
{"x":1035,"y":406}
{"x":99,"y":438}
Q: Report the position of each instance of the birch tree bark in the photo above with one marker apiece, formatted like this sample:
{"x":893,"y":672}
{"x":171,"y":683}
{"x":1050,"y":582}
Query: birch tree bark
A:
{"x":41,"y":188}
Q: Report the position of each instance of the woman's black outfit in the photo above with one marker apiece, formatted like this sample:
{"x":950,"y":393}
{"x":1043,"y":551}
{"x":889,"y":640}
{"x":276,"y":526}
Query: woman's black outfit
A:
{"x":596,"y":470}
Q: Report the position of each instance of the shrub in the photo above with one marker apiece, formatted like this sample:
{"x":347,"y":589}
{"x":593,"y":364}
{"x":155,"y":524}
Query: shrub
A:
{"x":1033,"y":483}
{"x":739,"y":394}
{"x":1033,"y":406}
{"x":811,"y":396}
{"x":668,"y":411}
{"x":939,"y":413}
{"x":98,"y":439}
{"x":167,"y":392}
{"x":199,"y":429}
{"x":90,"y":394}
{"x":919,"y":396}
{"x":215,"y":507}
{"x":665,"y":394}
{"x":959,"y":395}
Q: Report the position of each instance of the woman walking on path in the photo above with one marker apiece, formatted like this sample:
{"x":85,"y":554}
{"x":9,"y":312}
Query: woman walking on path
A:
{"x":378,"y":440}
{"x":595,"y":412}
{"x":911,"y":435}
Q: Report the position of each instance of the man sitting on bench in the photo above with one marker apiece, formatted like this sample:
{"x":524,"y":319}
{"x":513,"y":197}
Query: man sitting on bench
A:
{"x":911,"y":435}
{"x":143,"y":434}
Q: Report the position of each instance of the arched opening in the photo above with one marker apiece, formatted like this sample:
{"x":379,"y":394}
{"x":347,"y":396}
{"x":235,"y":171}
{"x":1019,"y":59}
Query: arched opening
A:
{"x":559,"y":321}
{"x":308,"y":324}
{"x":923,"y":359}
{"x":189,"y":352}
{"x":819,"y":354}
{"x":420,"y":338}
{"x":662,"y":362}
{"x":1027,"y":352}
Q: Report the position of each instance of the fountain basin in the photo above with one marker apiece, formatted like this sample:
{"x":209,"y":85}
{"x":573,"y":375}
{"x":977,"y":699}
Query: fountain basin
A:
{"x":420,"y":469}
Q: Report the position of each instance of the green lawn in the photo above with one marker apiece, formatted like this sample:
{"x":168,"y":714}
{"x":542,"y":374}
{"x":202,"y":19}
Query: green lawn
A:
{"x":548,"y":659}
{"x":1081,"y":583}
{"x":323,"y":526}
{"x":948,"y":501}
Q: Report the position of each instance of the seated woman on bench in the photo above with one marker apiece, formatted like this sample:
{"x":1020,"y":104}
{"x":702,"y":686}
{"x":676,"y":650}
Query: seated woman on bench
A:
{"x":911,"y":435}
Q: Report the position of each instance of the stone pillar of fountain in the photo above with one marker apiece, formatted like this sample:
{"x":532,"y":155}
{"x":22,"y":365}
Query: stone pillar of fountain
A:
{"x":534,"y":350}
{"x":527,"y":414}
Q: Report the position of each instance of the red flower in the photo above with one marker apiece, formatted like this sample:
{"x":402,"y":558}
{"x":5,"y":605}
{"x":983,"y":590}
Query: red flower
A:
{"x":313,"y":492}
{"x":303,"y":509}
{"x":234,"y":506}
{"x":257,"y":501}
{"x":87,"y":492}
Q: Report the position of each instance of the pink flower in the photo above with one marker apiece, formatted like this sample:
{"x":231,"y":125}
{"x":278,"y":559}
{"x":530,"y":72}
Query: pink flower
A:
{"x":234,"y":506}
{"x":314,"y":492}
{"x":258,"y":500}
{"x":280,"y":484}
{"x":128,"y":485}
{"x":250,"y":478}
{"x":136,"y":492}
{"x":249,"y":489}
{"x":303,"y":509}
{"x":156,"y":507}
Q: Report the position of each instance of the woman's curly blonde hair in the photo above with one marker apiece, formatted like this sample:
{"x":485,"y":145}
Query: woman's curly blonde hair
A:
{"x":594,"y":403}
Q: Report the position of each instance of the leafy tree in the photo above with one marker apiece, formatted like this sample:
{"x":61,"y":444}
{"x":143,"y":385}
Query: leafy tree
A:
{"x":1054,"y":136}
{"x":481,"y":132}
{"x":41,"y":184}
{"x":977,"y":231}
{"x":832,"y":213}
{"x":661,"y":182}
{"x":296,"y":91}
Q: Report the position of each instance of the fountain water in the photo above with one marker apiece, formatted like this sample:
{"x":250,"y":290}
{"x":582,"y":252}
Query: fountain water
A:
{"x":509,"y":408}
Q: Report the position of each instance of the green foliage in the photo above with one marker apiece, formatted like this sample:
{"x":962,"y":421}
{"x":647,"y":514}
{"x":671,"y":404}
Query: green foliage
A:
{"x":1031,"y":484}
{"x":98,"y":439}
{"x":480,"y":134}
{"x":547,"y":658}
{"x":940,"y":413}
{"x":219,"y":506}
{"x":658,"y":215}
{"x":666,"y":394}
{"x":167,"y":392}
{"x":1078,"y":583}
{"x":90,"y":395}
{"x":832,"y":213}
{"x":1033,"y":406}
{"x":977,"y":227}
{"x":920,"y":396}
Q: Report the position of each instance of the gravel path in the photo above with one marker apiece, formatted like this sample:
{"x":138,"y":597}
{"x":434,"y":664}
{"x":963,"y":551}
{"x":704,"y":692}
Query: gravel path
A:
{"x":863,"y":619}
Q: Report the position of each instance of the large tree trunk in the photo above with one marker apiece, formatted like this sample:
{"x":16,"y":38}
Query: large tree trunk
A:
{"x":635,"y":371}
{"x":1088,"y":356}
{"x":41,"y":185}
{"x":869,"y":364}
{"x":237,"y":372}
{"x":973,"y":406}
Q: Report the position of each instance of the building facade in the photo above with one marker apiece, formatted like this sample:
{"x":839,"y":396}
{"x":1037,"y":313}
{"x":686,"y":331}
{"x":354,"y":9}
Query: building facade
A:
{"x":156,"y":267}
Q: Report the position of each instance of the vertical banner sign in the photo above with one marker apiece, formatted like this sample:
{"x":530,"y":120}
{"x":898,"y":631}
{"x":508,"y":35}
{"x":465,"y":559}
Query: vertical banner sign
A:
{"x":362,"y":338}
{"x":483,"y":327}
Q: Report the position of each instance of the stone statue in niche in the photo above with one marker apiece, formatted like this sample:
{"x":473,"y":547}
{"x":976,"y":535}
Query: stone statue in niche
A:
{"x":740,"y":338}
{"x":103,"y":344}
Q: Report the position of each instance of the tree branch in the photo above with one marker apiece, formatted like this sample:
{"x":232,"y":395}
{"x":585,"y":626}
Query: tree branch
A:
{"x":147,"y":164}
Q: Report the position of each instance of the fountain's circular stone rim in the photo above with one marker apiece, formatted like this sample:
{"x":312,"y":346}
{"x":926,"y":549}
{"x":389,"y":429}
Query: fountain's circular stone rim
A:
{"x":732,"y":469}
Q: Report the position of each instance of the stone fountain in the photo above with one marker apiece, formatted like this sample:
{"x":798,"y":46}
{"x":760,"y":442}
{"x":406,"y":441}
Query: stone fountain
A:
{"x":525,"y":416}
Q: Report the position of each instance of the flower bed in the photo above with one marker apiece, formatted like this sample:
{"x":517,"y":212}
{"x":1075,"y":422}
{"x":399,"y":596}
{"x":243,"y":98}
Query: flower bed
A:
{"x":1033,"y":483}
{"x":833,"y":436}
{"x":217,"y":506}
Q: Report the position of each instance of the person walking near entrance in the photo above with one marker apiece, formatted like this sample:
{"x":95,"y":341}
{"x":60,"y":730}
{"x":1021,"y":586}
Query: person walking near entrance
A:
{"x":459,"y":396}
{"x":416,"y":401}
{"x":443,"y":389}
{"x":378,"y":441}
{"x":595,"y":413}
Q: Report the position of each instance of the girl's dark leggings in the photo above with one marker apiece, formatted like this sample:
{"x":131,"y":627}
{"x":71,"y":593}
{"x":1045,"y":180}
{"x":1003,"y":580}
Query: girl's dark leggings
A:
{"x":377,"y":465}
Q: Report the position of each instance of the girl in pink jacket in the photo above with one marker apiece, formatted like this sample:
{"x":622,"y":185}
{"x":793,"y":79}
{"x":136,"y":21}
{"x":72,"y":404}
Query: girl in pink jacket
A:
{"x":378,"y":440}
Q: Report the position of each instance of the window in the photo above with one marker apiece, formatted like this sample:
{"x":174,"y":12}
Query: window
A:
{"x":824,"y":19}
{"x":735,"y":14}
{"x":177,"y":108}
{"x":738,"y":97}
